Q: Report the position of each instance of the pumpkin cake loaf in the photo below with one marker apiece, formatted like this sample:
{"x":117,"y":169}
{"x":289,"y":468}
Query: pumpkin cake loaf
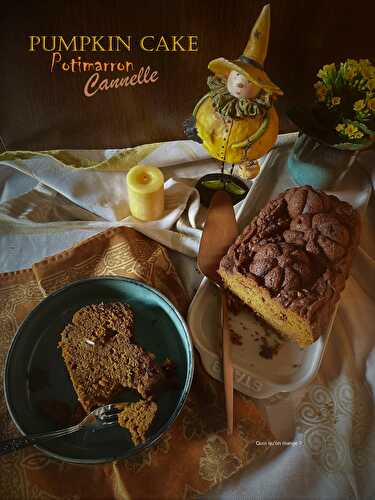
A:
{"x":137,"y":418}
{"x":291,"y":263}
{"x":102,"y":357}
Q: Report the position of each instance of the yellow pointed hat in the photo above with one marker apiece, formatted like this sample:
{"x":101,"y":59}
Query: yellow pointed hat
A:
{"x":250,"y":64}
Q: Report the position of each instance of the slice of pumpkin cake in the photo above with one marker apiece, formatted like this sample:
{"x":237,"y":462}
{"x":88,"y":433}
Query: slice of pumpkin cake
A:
{"x":102,"y":356}
{"x":137,"y":418}
{"x":291,"y":263}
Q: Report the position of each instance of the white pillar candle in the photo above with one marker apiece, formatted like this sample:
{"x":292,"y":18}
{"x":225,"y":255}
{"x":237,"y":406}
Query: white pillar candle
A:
{"x":146,"y":192}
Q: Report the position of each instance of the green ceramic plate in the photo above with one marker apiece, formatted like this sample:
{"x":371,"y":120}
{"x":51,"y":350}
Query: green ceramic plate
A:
{"x":36,"y":379}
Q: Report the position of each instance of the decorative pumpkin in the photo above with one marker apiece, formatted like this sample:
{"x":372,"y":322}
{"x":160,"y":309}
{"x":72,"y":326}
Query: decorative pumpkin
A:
{"x":236,"y":120}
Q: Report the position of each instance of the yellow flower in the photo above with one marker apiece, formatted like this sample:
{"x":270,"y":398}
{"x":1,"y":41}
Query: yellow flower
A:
{"x":368,"y":72}
{"x":350,"y":73}
{"x":358,"y":105}
{"x":366,"y":68}
{"x":371,"y":84}
{"x":371,"y":104}
{"x":335,"y":101}
{"x":350,"y":130}
{"x":349,"y":69}
{"x":358,"y":135}
{"x":321,"y":91}
{"x":327,"y":68}
{"x":340,"y":127}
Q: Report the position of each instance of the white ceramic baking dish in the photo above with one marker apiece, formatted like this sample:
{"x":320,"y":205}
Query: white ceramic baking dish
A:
{"x":292,"y":367}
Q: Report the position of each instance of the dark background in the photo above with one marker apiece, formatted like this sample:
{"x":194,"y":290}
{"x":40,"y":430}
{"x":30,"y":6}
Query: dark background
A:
{"x":40,"y":110}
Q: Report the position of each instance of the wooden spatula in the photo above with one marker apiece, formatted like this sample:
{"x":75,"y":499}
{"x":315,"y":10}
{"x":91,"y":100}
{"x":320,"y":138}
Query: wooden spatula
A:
{"x":220,"y":231}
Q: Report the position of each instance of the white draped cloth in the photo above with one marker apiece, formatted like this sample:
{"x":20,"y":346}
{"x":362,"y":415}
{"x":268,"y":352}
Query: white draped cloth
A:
{"x":51,"y":200}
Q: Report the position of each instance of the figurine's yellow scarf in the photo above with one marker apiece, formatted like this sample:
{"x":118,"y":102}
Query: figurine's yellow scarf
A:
{"x":229,"y":106}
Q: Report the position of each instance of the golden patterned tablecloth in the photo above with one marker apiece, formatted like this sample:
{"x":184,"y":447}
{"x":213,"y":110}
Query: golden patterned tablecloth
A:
{"x":194,"y":455}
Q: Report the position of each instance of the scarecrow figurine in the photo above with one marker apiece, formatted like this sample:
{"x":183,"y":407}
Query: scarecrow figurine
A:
{"x":236,"y":120}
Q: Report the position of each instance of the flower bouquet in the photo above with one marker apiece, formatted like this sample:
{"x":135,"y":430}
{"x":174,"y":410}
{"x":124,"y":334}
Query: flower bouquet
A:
{"x":339,"y":123}
{"x":343,"y":114}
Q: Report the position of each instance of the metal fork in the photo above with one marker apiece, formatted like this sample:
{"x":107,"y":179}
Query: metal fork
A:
{"x":97,"y":419}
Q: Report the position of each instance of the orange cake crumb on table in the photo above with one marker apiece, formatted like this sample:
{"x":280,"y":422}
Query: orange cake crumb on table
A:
{"x":291,"y":263}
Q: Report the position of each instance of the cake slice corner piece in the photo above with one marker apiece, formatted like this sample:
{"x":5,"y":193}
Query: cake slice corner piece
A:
{"x":137,"y":419}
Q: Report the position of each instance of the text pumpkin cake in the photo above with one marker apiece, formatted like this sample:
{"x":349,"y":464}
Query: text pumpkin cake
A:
{"x":291,"y":263}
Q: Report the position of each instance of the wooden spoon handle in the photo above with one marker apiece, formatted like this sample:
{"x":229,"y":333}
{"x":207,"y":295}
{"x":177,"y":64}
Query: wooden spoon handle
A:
{"x":227,"y":362}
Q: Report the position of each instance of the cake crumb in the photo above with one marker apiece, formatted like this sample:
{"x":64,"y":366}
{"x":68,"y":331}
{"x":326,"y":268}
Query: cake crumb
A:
{"x":137,"y":418}
{"x":235,"y":337}
{"x":168,"y":367}
{"x":235,"y":305}
{"x":268,"y":349}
